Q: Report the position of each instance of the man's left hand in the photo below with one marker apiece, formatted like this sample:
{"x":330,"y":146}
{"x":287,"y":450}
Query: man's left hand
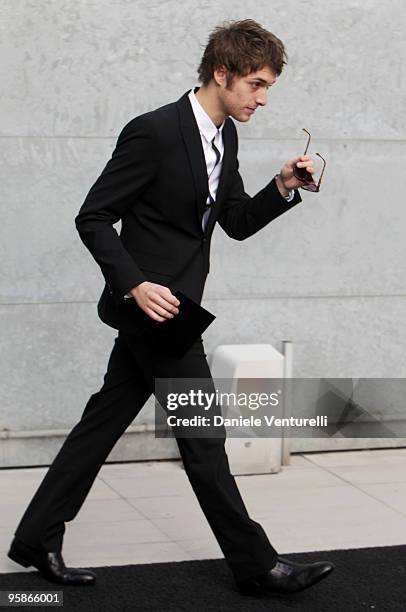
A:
{"x":288,"y":179}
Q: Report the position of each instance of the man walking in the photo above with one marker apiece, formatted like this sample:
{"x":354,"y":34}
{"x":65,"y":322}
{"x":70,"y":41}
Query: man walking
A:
{"x":172,"y":176}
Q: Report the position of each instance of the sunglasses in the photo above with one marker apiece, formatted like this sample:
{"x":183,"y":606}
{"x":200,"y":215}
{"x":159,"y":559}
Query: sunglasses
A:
{"x":303,"y":175}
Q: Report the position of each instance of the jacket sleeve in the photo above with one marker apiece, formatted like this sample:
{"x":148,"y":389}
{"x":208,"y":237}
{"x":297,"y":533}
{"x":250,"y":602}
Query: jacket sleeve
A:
{"x":242,"y":216}
{"x":132,"y":167}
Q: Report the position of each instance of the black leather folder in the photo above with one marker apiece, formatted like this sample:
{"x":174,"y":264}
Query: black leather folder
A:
{"x":175,"y":336}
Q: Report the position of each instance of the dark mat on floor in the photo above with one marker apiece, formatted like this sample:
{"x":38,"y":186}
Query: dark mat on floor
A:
{"x":364,"y":579}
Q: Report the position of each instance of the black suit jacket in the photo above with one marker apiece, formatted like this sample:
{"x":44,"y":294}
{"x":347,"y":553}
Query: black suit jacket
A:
{"x":156,"y":183}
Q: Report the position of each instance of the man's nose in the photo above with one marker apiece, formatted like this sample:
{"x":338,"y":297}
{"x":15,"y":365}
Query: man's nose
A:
{"x":261,"y":98}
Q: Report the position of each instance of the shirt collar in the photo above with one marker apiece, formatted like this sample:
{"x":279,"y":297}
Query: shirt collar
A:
{"x":205,"y":124}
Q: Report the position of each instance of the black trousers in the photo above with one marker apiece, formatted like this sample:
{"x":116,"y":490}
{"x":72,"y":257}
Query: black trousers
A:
{"x":128,"y":383}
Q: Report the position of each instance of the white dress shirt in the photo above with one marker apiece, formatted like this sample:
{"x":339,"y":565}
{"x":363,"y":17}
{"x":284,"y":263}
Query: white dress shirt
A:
{"x":208,"y":130}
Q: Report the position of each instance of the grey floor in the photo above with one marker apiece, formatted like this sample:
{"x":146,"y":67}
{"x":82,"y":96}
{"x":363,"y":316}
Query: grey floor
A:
{"x":147,"y":512}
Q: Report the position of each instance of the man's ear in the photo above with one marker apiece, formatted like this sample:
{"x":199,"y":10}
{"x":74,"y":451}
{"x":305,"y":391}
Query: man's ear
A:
{"x":220,"y":76}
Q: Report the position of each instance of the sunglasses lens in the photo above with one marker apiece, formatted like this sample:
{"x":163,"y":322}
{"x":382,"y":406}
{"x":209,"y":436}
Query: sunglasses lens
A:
{"x":303,"y":175}
{"x":311,"y":187}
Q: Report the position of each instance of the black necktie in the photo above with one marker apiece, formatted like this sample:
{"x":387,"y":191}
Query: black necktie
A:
{"x":211,"y":200}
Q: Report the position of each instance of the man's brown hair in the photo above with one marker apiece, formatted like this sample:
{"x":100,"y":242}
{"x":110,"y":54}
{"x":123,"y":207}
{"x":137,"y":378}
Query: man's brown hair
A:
{"x":241,"y":47}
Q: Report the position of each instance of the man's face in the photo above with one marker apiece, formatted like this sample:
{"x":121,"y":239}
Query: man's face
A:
{"x":245,"y":93}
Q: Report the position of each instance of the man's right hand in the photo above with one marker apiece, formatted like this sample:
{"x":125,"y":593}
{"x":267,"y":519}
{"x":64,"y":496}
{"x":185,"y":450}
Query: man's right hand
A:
{"x":156,"y":301}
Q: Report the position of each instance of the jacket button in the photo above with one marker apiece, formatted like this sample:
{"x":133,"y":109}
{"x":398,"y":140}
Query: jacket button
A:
{"x":204,"y":240}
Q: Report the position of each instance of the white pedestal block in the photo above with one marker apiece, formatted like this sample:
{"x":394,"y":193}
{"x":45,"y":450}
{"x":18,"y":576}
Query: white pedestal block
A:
{"x":249,"y":455}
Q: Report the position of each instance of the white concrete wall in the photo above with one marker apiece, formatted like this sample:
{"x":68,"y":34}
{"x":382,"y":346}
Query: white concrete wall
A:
{"x":330,"y":275}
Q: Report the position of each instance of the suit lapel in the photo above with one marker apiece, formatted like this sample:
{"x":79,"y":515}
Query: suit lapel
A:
{"x":193,"y":144}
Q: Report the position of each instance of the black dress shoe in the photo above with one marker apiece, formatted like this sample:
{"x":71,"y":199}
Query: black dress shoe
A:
{"x":286,"y":577}
{"x":50,"y":564}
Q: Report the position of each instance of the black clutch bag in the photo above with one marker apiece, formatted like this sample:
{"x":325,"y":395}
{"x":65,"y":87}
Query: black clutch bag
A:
{"x":175,"y":336}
